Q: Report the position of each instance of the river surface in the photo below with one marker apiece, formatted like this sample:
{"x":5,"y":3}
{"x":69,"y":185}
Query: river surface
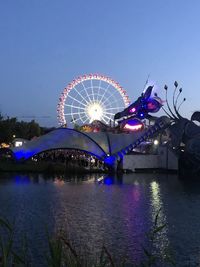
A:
{"x":115,"y":212}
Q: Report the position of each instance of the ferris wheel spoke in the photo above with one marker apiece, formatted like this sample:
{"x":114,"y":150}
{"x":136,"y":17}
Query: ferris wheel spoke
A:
{"x":109,"y":97}
{"x":99,"y":87}
{"x":77,"y":100}
{"x":77,"y":120}
{"x":104,"y":120}
{"x":73,"y":113}
{"x":85,"y":89}
{"x":114,"y":108}
{"x":72,"y":106}
{"x":92,"y":90}
{"x":96,"y":98}
{"x":100,"y":101}
{"x":108,"y":113}
{"x":81,"y":119}
{"x":86,"y":106}
{"x":110,"y":102}
{"x":85,"y":115}
{"x":109,"y":118}
{"x":85,"y":120}
{"x":81,"y":95}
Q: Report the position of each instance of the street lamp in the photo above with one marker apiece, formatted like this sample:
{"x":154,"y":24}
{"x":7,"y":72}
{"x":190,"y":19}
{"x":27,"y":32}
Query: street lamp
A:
{"x":155,"y":142}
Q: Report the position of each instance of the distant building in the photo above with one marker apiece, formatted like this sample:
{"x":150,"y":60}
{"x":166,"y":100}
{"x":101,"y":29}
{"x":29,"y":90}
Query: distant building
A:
{"x":19,"y":142}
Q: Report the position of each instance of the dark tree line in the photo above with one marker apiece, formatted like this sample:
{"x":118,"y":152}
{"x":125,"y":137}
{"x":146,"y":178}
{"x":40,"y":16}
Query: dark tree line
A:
{"x":11,"y":128}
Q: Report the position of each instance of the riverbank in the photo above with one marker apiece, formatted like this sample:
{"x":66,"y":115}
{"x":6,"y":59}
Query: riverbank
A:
{"x":59,"y":167}
{"x":48,"y":167}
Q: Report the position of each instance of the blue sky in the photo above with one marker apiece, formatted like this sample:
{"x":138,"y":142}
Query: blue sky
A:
{"x":45,"y":44}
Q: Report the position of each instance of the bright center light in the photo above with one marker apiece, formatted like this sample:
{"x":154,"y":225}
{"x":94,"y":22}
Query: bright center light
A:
{"x":95,"y":111}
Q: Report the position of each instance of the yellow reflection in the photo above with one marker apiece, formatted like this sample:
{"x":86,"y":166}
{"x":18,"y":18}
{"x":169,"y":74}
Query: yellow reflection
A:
{"x":59,"y":182}
{"x":156,"y":201}
{"x":157,"y":207}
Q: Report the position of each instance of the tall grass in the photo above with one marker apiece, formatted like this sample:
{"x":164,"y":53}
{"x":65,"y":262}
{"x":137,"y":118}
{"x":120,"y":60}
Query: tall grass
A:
{"x":9,"y":255}
{"x":62,"y":252}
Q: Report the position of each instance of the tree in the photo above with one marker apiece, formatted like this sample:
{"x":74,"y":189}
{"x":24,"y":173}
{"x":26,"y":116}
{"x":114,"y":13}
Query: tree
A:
{"x":33,"y":129}
{"x":10,"y":128}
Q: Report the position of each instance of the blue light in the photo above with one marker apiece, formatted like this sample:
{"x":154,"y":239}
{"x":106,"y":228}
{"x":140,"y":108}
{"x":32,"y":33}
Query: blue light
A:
{"x":130,"y":147}
{"x":141,"y":115}
{"x":123,"y":151}
{"x":109,"y":160}
{"x":120,"y":155}
{"x":20,"y":179}
{"x":108,"y":180}
{"x":137,"y":142}
{"x":22,"y":155}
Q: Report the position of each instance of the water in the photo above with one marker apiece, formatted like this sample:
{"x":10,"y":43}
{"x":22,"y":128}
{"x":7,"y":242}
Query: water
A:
{"x":114,"y":212}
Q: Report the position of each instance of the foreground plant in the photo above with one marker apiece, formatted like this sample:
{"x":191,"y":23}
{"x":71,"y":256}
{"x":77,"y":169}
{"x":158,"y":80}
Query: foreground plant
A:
{"x":151,"y":255}
{"x":8,"y":254}
{"x":62,"y":252}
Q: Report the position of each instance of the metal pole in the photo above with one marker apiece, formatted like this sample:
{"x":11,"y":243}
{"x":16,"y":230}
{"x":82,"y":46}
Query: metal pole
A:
{"x":167,"y":156}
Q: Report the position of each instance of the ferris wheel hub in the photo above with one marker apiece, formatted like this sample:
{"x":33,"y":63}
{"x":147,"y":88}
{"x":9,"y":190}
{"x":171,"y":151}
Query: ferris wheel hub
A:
{"x":94,"y":111}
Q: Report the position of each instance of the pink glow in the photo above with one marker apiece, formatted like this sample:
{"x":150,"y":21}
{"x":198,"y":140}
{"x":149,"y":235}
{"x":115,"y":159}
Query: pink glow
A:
{"x":133,"y":127}
{"x":133,"y":110}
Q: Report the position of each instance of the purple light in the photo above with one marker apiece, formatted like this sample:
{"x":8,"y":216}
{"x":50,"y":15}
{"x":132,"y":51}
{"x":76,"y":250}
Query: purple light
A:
{"x":133,"y":127}
{"x":132,"y":110}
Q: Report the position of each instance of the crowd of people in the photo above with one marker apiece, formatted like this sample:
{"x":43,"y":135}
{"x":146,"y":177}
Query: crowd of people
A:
{"x":70,"y":158}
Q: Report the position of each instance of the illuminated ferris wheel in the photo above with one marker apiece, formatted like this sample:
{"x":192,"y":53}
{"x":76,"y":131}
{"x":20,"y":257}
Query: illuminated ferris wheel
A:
{"x":91,"y":97}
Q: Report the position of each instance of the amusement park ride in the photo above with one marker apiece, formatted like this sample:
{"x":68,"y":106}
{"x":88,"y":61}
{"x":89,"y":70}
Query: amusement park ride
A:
{"x":91,"y":97}
{"x":132,"y":117}
{"x":110,"y":127}
{"x":184,"y":133}
{"x":99,"y":103}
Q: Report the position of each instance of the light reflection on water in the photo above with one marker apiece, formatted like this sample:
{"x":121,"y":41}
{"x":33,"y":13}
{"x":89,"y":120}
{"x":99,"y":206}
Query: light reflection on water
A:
{"x":115,"y":211}
{"x":158,"y":209}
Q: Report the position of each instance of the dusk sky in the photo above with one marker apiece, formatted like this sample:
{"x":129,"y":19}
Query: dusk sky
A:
{"x":45,"y":44}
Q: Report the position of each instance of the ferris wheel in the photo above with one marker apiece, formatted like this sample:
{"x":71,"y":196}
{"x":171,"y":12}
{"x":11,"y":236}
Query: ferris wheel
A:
{"x":91,"y":97}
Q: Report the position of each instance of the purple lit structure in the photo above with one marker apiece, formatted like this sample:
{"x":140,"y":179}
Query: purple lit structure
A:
{"x":131,"y":117}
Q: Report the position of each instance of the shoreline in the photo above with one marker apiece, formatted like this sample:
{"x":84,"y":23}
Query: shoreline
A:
{"x":58,"y":167}
{"x":46,"y":167}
